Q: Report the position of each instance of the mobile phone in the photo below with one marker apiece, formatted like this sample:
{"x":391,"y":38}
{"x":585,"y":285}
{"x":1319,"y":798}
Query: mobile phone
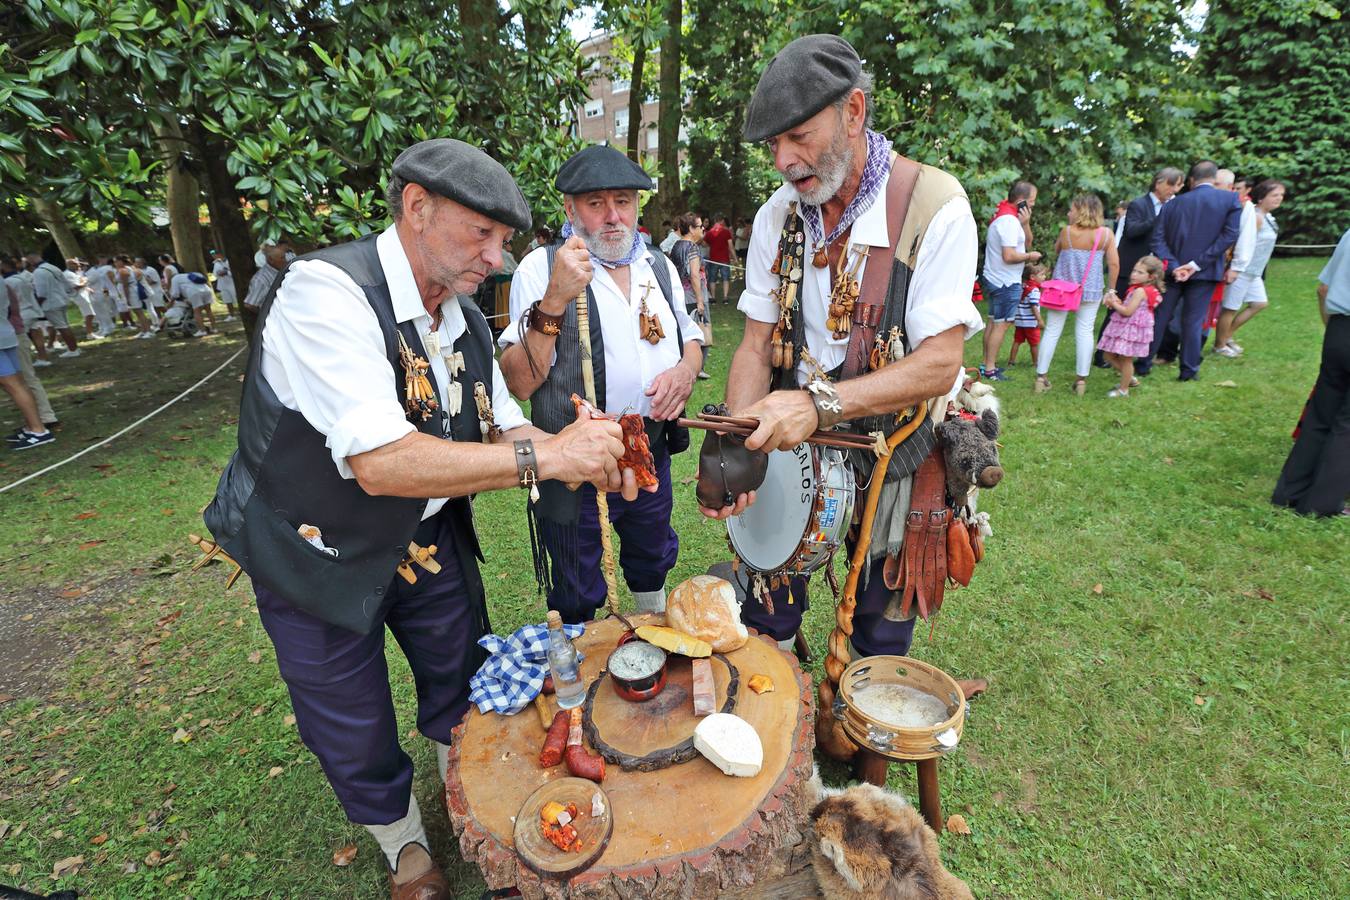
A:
{"x":1021,"y":206}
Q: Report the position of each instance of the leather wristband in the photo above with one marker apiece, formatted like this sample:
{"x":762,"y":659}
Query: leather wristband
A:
{"x":543,"y":322}
{"x":527,"y":467}
{"x":829,"y":408}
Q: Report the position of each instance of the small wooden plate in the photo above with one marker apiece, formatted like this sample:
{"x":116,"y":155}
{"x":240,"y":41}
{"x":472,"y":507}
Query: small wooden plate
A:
{"x":538,"y":853}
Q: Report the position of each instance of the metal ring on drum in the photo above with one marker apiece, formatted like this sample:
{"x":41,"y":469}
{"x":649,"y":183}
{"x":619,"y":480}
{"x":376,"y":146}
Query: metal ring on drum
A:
{"x":801,"y":512}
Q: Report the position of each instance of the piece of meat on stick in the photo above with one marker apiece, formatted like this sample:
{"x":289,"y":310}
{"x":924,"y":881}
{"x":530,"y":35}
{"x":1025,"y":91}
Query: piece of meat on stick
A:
{"x":637,"y":448}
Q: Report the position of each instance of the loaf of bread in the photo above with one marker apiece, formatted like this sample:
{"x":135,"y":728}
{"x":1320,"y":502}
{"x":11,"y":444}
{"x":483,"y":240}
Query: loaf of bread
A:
{"x":706,"y":608}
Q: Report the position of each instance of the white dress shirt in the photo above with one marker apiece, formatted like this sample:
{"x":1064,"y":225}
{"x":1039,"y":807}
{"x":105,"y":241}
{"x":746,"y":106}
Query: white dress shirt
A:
{"x":1246,"y":242}
{"x":631,"y":362}
{"x":324,"y":356}
{"x":939,"y":291}
{"x":49,"y":284}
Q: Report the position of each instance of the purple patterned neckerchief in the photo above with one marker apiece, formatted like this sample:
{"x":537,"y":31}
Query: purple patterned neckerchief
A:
{"x":634,"y":252}
{"x":874,"y":174}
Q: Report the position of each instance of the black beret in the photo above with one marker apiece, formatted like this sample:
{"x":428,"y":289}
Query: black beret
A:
{"x":601,"y":168}
{"x":805,"y":77}
{"x":466,"y":175}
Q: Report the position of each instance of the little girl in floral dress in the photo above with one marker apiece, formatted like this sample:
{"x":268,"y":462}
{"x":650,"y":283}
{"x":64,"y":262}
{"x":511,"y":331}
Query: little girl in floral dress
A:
{"x":1130,"y":331}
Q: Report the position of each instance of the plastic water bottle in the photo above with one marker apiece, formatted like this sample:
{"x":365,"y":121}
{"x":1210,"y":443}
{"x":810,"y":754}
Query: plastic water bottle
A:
{"x":563,"y":665}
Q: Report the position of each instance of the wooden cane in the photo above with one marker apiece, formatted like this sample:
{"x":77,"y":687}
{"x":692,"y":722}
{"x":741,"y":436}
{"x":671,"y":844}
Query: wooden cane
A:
{"x":601,"y":499}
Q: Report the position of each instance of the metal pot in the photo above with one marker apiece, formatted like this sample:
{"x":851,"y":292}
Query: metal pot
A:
{"x":637,"y":670}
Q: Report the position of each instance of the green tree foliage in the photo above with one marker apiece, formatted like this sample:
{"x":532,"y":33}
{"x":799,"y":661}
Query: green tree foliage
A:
{"x":1281,"y":70}
{"x":307,"y":103}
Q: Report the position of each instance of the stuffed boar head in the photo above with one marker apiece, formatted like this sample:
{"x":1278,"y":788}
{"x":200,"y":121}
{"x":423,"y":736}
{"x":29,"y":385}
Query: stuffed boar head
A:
{"x":971,"y":454}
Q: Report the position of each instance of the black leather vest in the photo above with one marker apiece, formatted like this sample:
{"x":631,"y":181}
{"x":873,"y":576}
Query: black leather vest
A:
{"x":282,"y":476}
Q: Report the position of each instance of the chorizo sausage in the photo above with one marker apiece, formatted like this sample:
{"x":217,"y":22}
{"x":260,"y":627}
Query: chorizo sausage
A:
{"x":579,"y":762}
{"x":556,"y":741}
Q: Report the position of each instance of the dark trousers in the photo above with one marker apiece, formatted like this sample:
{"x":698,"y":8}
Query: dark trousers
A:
{"x":339,"y":682}
{"x":1316,"y":476}
{"x":873,"y":633}
{"x":1189,"y":301}
{"x":648,"y":547}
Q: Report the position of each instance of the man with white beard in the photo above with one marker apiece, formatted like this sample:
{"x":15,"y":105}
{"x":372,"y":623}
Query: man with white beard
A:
{"x":646,"y":353}
{"x":882,"y":253}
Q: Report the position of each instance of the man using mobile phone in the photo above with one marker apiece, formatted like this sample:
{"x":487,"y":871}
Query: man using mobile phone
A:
{"x":1005,"y":255}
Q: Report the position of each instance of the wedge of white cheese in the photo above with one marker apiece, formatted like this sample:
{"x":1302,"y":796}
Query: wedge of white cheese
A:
{"x":730,"y":743}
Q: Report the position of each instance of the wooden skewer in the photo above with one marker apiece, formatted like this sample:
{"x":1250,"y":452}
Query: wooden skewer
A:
{"x":848,"y":437}
{"x":823,"y":438}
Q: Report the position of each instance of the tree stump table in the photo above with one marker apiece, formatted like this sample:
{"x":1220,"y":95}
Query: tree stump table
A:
{"x":686,"y":830}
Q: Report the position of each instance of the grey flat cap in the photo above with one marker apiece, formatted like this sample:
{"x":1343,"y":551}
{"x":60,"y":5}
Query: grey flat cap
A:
{"x":600,"y":168}
{"x":805,"y":77}
{"x":466,"y":175}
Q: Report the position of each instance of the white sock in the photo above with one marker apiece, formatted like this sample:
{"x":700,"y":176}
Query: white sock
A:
{"x":442,"y":758}
{"x":789,"y":645}
{"x":396,"y":835}
{"x":650,"y":601}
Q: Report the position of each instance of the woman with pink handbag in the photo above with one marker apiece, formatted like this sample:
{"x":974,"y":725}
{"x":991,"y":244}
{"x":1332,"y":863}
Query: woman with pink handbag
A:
{"x":1077,"y":287}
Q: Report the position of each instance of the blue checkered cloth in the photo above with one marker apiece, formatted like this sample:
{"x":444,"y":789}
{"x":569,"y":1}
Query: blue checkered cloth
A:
{"x":513,"y":674}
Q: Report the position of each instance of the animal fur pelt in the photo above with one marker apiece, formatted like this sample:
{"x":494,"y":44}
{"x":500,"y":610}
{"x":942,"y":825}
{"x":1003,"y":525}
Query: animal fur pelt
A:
{"x":871,"y":845}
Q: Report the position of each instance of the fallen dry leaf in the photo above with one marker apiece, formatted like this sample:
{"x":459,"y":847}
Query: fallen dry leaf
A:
{"x":1097,"y":588}
{"x":68,"y":866}
{"x":167,"y":511}
{"x":343,"y":856}
{"x":5,"y":698}
{"x":14,"y":870}
{"x":1199,"y":700}
{"x":180,"y":437}
{"x":1169,"y":460}
{"x":957,"y":824}
{"x":87,"y":515}
{"x":274,"y":771}
{"x":89,"y":545}
{"x":1264,"y":594}
{"x":255,"y":656}
{"x":72,"y":593}
{"x":26,"y":617}
{"x":181,"y":737}
{"x":98,"y":840}
{"x":153,"y":858}
{"x":289,"y":720}
{"x":1229,"y":384}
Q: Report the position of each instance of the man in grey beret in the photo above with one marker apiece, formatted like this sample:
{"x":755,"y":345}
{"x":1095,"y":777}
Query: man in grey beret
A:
{"x":857,"y":300}
{"x":372,"y":411}
{"x":646,"y":353}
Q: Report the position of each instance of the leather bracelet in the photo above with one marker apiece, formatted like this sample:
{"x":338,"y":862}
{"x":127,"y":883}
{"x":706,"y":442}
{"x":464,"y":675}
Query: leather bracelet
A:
{"x":527,"y":467}
{"x":829,"y":408}
{"x":543,"y":322}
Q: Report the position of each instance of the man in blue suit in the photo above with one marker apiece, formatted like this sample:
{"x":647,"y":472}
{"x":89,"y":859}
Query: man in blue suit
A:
{"x":1192,"y":233}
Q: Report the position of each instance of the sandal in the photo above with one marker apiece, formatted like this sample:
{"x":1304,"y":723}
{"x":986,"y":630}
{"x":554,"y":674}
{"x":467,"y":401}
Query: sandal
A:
{"x":1042,"y":384}
{"x":1080,"y":386}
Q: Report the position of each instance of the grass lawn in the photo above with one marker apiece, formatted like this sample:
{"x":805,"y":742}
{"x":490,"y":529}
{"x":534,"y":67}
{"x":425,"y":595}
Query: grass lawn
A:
{"x":1168,"y":706}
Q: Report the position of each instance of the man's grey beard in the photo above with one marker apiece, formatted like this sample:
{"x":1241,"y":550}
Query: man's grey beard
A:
{"x":604,"y":247}
{"x":830,"y":170}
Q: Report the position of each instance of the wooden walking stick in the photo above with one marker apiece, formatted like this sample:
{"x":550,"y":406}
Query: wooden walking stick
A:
{"x":830,"y":734}
{"x":601,"y":499}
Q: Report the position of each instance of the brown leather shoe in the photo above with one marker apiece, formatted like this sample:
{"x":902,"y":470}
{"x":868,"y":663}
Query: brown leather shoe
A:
{"x":429,"y":885}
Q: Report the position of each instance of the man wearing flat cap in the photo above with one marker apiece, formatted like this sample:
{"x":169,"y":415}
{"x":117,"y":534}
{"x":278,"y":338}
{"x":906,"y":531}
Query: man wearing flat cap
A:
{"x":372,"y":412}
{"x":879,"y":255}
{"x":646,"y":353}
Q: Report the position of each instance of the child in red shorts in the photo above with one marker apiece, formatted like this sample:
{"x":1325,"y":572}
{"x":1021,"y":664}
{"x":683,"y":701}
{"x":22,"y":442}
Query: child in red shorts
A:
{"x":1027,"y":323}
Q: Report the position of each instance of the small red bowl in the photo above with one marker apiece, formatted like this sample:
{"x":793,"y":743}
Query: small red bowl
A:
{"x":638,"y":670}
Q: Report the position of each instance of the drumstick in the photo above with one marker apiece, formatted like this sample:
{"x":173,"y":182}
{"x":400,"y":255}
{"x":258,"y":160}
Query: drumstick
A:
{"x":839,"y":440}
{"x":853,"y":440}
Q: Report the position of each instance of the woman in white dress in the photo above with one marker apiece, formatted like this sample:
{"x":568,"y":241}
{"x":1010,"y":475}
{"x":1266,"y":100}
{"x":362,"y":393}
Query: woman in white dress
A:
{"x":1249,"y":288}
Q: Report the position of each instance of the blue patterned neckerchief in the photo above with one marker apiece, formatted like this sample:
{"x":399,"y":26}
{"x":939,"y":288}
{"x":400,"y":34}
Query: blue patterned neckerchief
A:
{"x":874,"y":174}
{"x":634,"y":252}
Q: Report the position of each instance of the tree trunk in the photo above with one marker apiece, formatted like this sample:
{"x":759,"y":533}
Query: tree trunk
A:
{"x":669,"y":198}
{"x":182,"y":197}
{"x":635,"y":97}
{"x":54,"y":218}
{"x":227,"y":216}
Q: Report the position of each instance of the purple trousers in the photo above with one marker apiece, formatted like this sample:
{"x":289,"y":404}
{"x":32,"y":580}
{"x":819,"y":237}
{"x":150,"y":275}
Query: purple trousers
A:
{"x":647,"y":552}
{"x":873,"y":634}
{"x":339,"y":682}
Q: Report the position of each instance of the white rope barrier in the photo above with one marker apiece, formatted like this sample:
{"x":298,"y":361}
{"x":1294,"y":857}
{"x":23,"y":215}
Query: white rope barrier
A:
{"x":1305,"y":246}
{"x":134,"y":425}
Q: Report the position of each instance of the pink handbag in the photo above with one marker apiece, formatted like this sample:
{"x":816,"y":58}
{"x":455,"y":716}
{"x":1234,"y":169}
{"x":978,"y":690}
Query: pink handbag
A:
{"x":1059,"y":294}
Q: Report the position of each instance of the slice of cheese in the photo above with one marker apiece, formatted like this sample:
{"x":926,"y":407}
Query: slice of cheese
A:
{"x":674,"y":641}
{"x":730,"y":743}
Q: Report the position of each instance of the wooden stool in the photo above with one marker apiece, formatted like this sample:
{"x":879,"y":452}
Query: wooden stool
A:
{"x":871,"y":767}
